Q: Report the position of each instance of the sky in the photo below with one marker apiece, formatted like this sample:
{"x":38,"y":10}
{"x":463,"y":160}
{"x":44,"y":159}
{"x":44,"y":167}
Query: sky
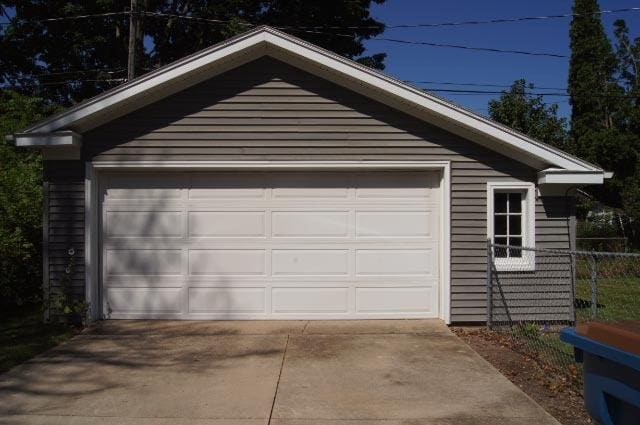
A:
{"x":421,"y":63}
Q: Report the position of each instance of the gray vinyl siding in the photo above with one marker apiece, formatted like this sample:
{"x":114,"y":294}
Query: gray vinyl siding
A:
{"x":64,"y":223}
{"x":546,"y":294}
{"x":267,"y":110}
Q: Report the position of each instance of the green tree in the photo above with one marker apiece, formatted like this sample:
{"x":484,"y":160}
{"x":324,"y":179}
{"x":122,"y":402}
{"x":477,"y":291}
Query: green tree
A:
{"x":20,"y":204}
{"x":599,"y":107}
{"x":63,"y":61}
{"x":70,"y":60}
{"x":628,"y":75}
{"x":528,"y":113}
{"x":591,"y":69}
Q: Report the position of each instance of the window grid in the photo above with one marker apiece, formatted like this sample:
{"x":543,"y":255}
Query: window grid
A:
{"x":509,"y":236}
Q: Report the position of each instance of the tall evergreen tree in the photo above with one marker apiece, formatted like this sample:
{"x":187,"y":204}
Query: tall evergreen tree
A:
{"x":591,"y":71}
{"x":595,"y":99}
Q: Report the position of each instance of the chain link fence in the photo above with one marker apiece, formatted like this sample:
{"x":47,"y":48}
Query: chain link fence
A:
{"x":532,"y":293}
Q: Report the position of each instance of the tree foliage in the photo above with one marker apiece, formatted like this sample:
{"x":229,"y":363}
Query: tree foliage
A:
{"x":71,"y":60}
{"x":591,"y":69}
{"x":605,"y":119}
{"x":529,"y":114}
{"x":20,"y":203}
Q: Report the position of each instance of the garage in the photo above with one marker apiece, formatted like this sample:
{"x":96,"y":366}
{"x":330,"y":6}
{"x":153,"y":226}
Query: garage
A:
{"x":270,"y":244}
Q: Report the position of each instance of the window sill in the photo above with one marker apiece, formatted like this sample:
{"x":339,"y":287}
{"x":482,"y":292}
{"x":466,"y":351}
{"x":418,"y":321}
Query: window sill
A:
{"x":514,"y":265}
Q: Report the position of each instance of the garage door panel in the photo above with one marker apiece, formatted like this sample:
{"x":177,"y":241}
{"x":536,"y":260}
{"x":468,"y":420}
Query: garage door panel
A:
{"x":150,"y":262}
{"x":395,"y":299}
{"x":296,"y":224}
{"x":144,"y":300}
{"x":305,"y":185}
{"x":227,"y":224}
{"x":310,"y":300}
{"x":144,"y":187}
{"x":132,"y":224}
{"x":394,"y":224}
{"x":317,"y":262}
{"x":227,"y":300}
{"x":394,"y":185}
{"x":400,"y":262}
{"x":282,"y":245}
{"x":151,"y":281}
{"x":220,"y":186}
{"x":227,"y":262}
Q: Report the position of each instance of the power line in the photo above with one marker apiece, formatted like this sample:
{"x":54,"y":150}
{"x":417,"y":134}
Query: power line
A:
{"x":63,"y":82}
{"x":493,"y":92}
{"x":348,"y":27}
{"x":507,"y":20}
{"x":418,"y":25}
{"x":194,"y":18}
{"x":449,"y":83}
{"x":71,"y":18}
{"x":392,"y":40}
{"x":481,"y":49}
{"x":82,"y":71}
{"x":457,"y":92}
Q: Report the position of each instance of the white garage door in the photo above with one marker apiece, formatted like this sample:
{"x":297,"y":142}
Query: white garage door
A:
{"x":270,"y":245}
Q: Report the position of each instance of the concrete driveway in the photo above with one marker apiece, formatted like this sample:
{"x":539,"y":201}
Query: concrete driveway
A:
{"x":288,"y":373}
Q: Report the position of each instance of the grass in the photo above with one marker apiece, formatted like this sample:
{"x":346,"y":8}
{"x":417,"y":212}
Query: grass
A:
{"x":24,"y":335}
{"x":618,"y":299}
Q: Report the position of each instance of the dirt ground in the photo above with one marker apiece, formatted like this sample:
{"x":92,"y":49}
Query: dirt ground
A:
{"x":554,"y":393}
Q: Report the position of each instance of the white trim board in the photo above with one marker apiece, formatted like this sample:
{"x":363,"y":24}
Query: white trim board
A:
{"x":59,"y":138}
{"x":268,"y":41}
{"x":92,"y":207}
{"x":527,"y":262}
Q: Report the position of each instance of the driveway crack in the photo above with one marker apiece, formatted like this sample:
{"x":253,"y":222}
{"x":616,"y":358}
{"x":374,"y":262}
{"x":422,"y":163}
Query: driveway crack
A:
{"x":275,"y":393}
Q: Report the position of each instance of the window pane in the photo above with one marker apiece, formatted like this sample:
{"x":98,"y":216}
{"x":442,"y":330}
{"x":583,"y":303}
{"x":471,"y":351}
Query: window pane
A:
{"x":514,"y":252}
{"x":500,"y":202}
{"x":515,"y":225}
{"x":515,"y":202}
{"x":500,"y":225}
{"x":500,"y":252}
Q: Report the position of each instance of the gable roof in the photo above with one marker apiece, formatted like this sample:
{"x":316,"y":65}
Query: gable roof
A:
{"x":65,"y":128}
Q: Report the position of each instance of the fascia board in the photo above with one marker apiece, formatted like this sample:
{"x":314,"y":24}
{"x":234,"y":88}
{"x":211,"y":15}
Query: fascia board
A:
{"x":61,"y":138}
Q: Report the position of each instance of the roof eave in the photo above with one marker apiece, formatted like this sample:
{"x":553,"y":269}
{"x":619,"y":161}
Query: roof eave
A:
{"x":58,"y":138}
{"x":572,"y":177}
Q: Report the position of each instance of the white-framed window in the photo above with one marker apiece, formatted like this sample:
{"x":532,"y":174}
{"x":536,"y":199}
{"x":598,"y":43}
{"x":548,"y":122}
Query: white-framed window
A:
{"x":511,"y":221}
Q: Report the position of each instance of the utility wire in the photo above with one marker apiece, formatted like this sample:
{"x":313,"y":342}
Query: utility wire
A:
{"x":449,"y":83}
{"x":354,"y":27}
{"x":72,"y":18}
{"x":456,"y":92}
{"x":314,"y":30}
{"x":82,"y":71}
{"x":506,"y":20}
{"x":392,"y":40}
{"x":459,"y":46}
{"x":491,"y":92}
{"x":62,"y":82}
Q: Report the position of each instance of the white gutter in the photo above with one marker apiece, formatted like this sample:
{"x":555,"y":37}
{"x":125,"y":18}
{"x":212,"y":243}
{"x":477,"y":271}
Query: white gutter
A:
{"x":577,"y":177}
{"x":58,"y":138}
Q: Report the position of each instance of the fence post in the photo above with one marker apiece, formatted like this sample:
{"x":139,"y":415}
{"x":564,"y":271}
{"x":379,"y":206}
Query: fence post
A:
{"x":574,"y":317}
{"x":594,"y":287}
{"x":489,"y":285}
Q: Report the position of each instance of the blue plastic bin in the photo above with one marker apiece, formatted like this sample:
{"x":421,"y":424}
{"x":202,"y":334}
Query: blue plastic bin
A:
{"x":611,"y":379}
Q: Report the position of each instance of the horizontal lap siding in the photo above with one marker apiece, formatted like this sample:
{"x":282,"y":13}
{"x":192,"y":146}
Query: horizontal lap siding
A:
{"x":267,"y":110}
{"x":64,"y":185}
